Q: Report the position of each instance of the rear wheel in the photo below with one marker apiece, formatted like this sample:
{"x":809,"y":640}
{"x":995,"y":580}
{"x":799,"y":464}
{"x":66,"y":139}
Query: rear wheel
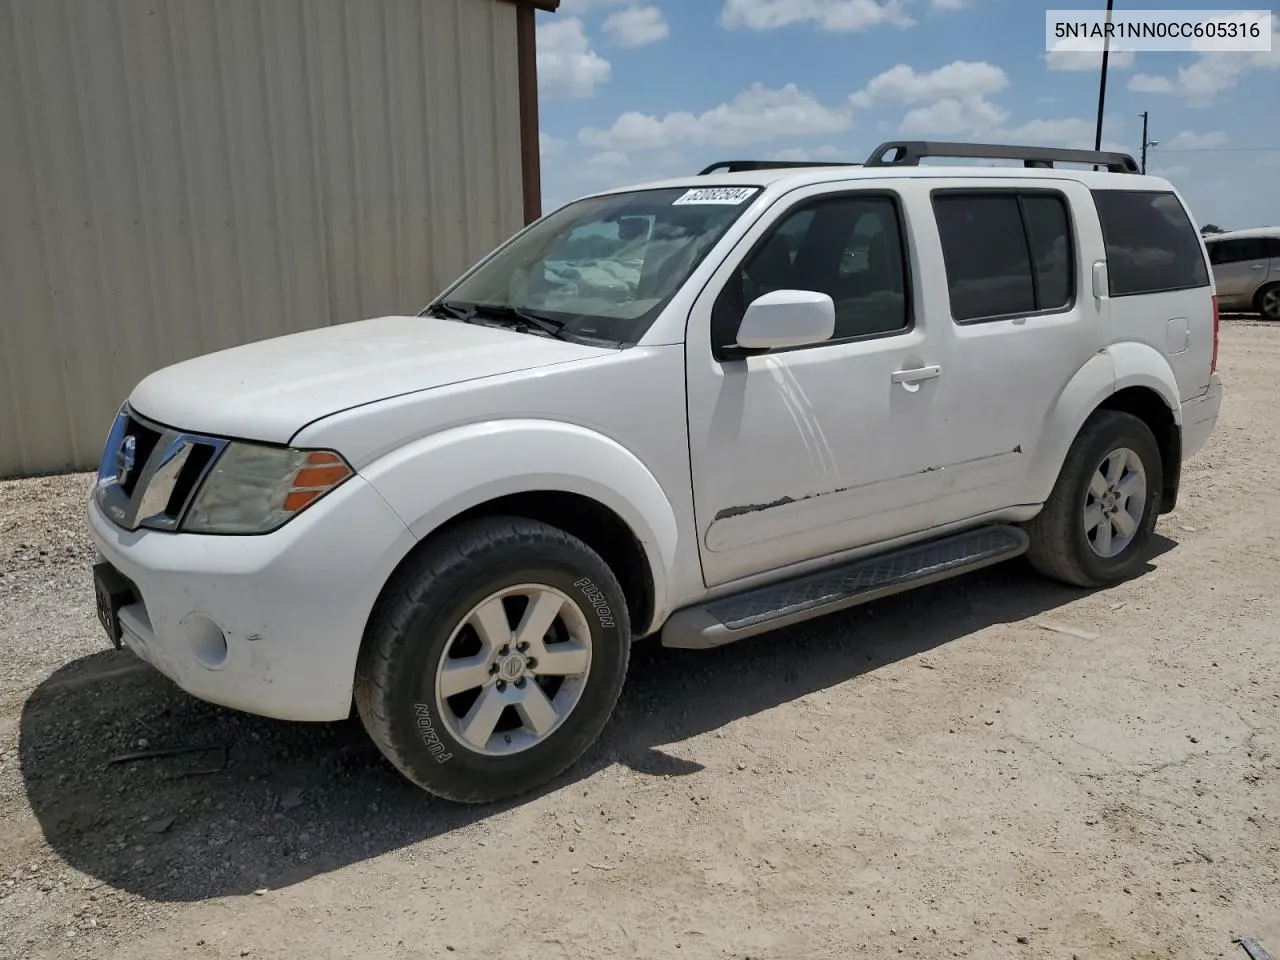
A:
{"x":494,"y":660}
{"x":1269,"y":301}
{"x":1095,"y":528}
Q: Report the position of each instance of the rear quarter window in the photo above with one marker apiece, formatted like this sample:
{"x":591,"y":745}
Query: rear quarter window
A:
{"x":1152,"y":246}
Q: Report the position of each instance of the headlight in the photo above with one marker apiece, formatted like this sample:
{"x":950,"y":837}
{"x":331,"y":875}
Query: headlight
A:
{"x":255,"y":489}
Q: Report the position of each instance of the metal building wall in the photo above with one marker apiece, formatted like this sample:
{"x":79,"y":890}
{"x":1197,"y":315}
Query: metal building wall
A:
{"x":179,"y":176}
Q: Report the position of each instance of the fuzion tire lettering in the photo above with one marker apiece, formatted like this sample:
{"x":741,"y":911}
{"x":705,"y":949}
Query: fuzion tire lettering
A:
{"x":595,"y":596}
{"x":422,"y":715}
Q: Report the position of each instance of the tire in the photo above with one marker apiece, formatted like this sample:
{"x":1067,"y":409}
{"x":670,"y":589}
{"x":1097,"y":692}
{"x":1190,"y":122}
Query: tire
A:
{"x":1267,"y":301}
{"x":428,"y":626}
{"x":1062,"y":546}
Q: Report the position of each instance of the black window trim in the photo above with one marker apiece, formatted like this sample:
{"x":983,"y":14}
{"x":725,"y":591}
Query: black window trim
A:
{"x":1018,"y":192}
{"x":1204,"y":254}
{"x":1262,"y":247}
{"x":729,"y":353}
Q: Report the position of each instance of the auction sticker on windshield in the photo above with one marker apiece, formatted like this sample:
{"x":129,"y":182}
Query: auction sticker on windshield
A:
{"x":731,"y":196}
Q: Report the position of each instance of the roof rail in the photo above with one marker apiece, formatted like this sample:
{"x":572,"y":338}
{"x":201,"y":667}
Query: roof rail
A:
{"x":739,"y":166}
{"x":909,"y":153}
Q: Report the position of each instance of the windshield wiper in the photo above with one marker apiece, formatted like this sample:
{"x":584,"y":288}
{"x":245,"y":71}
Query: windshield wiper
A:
{"x":520,"y":316}
{"x":470,"y":312}
{"x":455,"y":310}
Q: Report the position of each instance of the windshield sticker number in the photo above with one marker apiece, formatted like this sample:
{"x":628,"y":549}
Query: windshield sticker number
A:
{"x":730,"y":196}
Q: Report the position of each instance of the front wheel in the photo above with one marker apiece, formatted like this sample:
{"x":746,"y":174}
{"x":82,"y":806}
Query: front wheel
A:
{"x":1096,"y":526}
{"x":494,"y":659}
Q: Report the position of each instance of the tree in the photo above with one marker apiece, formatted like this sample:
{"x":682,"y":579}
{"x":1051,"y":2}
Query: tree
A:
{"x":1211,"y":228}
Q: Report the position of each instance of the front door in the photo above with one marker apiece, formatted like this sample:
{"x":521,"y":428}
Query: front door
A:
{"x":805,"y":452}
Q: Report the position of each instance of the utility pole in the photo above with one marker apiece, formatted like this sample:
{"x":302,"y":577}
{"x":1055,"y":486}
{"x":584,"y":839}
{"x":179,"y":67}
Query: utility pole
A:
{"x":1102,"y":84}
{"x":1144,"y":141}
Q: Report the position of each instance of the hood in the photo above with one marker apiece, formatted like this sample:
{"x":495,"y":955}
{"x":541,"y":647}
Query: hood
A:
{"x":270,"y":389}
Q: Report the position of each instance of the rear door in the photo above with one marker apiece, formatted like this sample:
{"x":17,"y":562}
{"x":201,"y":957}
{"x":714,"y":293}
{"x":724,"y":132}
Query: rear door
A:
{"x":1240,"y":267}
{"x":1160,"y":292}
{"x":1022,"y":323}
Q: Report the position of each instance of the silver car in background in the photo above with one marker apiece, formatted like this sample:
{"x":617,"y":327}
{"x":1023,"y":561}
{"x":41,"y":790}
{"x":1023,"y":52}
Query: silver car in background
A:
{"x":1246,"y":270}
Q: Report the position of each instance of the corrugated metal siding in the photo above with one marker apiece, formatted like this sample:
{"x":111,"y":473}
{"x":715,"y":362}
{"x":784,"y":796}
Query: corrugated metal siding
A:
{"x":179,"y":176}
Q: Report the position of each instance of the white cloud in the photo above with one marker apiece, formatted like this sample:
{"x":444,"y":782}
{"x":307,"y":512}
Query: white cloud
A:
{"x":574,"y":8}
{"x":1090,"y":60}
{"x":826,"y":152}
{"x":549,"y":146}
{"x":608,"y":160}
{"x":961,"y":79}
{"x":1190,"y":140}
{"x":1210,"y":74}
{"x":567,"y":66}
{"x":1146,"y":83}
{"x":636,"y":26}
{"x":756,"y":115}
{"x":833,"y":15}
{"x":953,"y":116}
{"x":1060,"y":132}
{"x":944,"y":6}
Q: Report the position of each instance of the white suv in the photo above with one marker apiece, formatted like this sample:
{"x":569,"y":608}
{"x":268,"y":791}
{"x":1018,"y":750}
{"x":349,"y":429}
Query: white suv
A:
{"x":699,"y":409}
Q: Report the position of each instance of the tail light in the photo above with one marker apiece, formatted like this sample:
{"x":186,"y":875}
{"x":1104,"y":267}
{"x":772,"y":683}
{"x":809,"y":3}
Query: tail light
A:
{"x":1217,"y":322}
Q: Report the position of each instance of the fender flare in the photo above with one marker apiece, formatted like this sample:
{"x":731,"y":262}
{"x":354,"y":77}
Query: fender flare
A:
{"x":1106,"y":373}
{"x":431,"y":481}
{"x":1138,"y":365}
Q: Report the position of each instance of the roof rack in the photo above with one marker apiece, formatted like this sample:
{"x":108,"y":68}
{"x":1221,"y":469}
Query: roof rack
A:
{"x":740,"y":166}
{"x":909,"y":153}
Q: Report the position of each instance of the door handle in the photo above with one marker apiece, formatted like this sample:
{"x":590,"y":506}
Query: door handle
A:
{"x":1258,"y":266}
{"x":916,"y":374}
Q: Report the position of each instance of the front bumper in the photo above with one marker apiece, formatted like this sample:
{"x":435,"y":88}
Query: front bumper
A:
{"x":1199,"y":416}
{"x":267,"y":624}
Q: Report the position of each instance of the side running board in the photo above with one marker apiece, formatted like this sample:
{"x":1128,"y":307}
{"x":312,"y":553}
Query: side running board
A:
{"x":777,"y":605}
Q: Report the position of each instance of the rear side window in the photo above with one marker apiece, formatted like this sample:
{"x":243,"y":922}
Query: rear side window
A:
{"x":1007,"y":253}
{"x":1151,"y":244}
{"x":1237,"y":251}
{"x":1273,"y":248}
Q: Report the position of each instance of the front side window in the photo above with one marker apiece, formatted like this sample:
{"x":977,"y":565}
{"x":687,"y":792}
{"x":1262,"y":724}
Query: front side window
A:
{"x":600,"y":268}
{"x":848,"y":247}
{"x":1007,"y":254}
{"x":1151,"y":245}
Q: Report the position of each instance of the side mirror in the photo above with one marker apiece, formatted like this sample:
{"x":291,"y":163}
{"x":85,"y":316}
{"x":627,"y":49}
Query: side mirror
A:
{"x":787,"y":318}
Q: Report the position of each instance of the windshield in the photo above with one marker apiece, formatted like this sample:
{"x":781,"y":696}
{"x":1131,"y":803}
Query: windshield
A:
{"x":605,"y":266}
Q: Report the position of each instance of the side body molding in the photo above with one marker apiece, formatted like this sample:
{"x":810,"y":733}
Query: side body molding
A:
{"x":431,"y":481}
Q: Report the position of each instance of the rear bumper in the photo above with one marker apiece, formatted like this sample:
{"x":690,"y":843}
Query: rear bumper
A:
{"x":1199,"y":416}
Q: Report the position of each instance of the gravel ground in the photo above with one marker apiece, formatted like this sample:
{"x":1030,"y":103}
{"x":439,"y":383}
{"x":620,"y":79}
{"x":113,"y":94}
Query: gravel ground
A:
{"x":996,"y":767}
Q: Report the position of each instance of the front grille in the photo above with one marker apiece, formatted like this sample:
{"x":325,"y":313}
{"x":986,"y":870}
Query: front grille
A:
{"x":149,"y":473}
{"x":189,"y":477}
{"x":146,"y":437}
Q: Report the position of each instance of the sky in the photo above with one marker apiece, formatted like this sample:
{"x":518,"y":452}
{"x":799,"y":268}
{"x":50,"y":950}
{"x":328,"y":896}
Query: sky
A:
{"x":637,"y":90}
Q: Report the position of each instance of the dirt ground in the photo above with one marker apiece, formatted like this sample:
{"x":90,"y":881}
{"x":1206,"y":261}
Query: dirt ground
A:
{"x":995,"y":767}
